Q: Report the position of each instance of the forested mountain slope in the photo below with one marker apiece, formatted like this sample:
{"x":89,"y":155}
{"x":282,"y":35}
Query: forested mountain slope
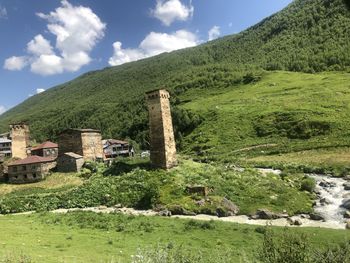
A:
{"x":307,"y":36}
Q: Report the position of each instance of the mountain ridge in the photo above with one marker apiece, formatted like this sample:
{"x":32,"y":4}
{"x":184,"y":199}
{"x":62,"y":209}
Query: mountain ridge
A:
{"x":306,"y":36}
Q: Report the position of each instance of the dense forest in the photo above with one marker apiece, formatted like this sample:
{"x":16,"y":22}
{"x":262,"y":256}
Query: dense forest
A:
{"x":307,"y":36}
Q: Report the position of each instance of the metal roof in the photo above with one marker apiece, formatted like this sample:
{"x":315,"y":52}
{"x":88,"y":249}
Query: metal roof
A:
{"x":5,"y":140}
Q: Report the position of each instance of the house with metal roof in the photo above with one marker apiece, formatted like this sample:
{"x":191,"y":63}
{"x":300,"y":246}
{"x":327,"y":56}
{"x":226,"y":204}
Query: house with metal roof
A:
{"x":5,"y":147}
{"x":114,"y":148}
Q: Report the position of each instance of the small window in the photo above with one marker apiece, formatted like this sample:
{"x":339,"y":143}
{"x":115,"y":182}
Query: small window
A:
{"x":24,"y":168}
{"x":26,"y":176}
{"x":34,"y":175}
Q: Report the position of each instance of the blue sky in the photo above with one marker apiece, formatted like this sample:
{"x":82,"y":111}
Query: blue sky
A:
{"x":45,"y":43}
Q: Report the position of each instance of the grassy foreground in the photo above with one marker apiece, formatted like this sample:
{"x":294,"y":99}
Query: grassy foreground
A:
{"x":89,"y":237}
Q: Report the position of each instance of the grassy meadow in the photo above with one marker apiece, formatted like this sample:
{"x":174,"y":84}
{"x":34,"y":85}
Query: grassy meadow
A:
{"x":278,"y":113}
{"x":56,"y":182}
{"x":89,"y":237}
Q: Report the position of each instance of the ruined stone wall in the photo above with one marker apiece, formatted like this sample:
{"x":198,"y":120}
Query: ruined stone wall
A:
{"x":162,"y":141}
{"x":20,"y":140}
{"x":92,"y":146}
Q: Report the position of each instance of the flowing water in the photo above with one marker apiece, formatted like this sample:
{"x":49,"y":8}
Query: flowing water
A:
{"x":331,"y":195}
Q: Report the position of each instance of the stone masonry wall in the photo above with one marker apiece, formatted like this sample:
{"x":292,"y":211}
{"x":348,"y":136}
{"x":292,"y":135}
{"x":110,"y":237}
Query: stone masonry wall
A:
{"x":20,"y":140}
{"x":70,"y":141}
{"x":162,"y":141}
{"x":92,"y":146}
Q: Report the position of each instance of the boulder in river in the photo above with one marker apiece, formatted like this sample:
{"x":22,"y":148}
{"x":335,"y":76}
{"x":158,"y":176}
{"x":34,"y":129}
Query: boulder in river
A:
{"x":326,"y":184}
{"x":347,"y":214}
{"x":325,"y":201}
{"x":316,"y":217}
{"x":346,"y":204}
{"x":346,"y":186}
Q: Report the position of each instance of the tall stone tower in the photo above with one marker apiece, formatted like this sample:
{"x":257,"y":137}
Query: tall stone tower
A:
{"x":20,"y":140}
{"x":162,"y":141}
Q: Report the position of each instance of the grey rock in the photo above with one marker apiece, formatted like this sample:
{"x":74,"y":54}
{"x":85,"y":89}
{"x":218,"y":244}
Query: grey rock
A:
{"x":325,"y":201}
{"x":230,"y":206}
{"x":164,"y":213}
{"x":326,"y":184}
{"x":347,"y":214}
{"x":201,"y":202}
{"x":265,"y":214}
{"x":346,"y":186}
{"x":346,"y":204}
{"x":179,"y":210}
{"x":305,"y":216}
{"x":316,"y":217}
{"x":295,"y":221}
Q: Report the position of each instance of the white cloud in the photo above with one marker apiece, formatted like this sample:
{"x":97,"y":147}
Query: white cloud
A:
{"x":2,"y":109}
{"x":153,"y":44}
{"x":15,"y":63}
{"x":230,"y":24}
{"x":39,"y":46}
{"x":214,"y":33}
{"x":3,"y":12}
{"x":76,"y":29}
{"x":38,"y":91}
{"x":169,"y":11}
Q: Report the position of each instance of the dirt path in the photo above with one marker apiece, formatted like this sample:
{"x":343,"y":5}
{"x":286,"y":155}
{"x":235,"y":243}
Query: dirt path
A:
{"x":283,"y":222}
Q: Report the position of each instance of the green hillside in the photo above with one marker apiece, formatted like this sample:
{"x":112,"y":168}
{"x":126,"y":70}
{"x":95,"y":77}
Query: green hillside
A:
{"x":308,"y":36}
{"x":282,"y":112}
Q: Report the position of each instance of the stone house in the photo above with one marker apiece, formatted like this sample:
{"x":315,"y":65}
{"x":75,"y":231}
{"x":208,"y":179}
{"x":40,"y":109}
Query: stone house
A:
{"x":70,"y":163}
{"x":115,"y":148}
{"x":46,"y":149}
{"x":84,"y":142}
{"x":31,"y":169}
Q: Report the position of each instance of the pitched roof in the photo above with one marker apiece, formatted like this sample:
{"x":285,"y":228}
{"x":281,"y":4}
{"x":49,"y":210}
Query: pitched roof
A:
{"x":5,"y":140}
{"x":45,"y":145}
{"x":32,"y":160}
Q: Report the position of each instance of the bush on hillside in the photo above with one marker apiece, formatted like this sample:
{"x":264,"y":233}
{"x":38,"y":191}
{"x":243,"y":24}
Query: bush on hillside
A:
{"x":308,"y":184}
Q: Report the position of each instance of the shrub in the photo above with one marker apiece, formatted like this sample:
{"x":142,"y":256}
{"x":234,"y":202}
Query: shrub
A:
{"x":308,"y":184}
{"x":287,"y":247}
{"x":179,"y":254}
